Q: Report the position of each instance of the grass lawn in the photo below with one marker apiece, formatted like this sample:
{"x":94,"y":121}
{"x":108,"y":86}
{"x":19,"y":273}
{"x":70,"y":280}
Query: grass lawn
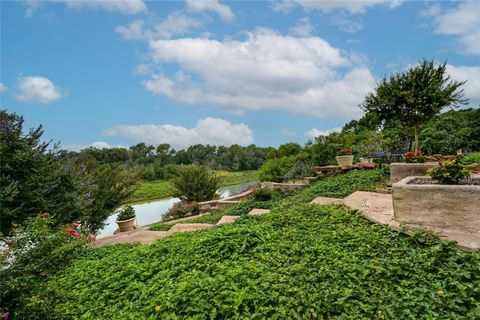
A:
{"x":301,"y":261}
{"x":151,"y":190}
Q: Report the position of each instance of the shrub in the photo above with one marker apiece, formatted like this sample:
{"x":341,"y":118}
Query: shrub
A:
{"x":160,"y":227}
{"x":471,"y":158}
{"x":299,"y":170}
{"x":126,"y":213}
{"x":275,"y":169}
{"x":34,"y":253}
{"x":181,"y":209}
{"x":414,"y":157}
{"x":195,"y":183}
{"x":448,"y":172}
{"x":262,"y":194}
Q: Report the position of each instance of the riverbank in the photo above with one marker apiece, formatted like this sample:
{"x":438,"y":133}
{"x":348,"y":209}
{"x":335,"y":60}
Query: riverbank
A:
{"x":153,"y":190}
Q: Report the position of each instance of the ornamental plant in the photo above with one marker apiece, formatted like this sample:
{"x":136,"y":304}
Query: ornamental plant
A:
{"x":414,"y":157}
{"x":182,"y":209}
{"x":35,"y":252}
{"x":448,"y":172}
{"x":126,"y":213}
{"x":345,"y":152}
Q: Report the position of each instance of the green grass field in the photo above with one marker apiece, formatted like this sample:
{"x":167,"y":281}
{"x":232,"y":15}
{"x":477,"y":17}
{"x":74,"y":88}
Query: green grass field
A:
{"x":151,"y":190}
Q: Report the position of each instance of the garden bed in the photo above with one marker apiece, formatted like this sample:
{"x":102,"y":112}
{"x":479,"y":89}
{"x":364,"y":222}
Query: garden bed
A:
{"x":416,"y":200}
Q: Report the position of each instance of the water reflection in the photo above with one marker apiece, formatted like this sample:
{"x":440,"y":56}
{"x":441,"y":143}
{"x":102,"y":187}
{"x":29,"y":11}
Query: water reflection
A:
{"x":152,"y":212}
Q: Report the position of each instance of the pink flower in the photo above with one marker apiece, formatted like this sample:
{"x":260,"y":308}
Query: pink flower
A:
{"x":75,"y":234}
{"x":5,"y":315}
{"x":91,"y":237}
{"x":44,"y":215}
{"x":75,"y":225}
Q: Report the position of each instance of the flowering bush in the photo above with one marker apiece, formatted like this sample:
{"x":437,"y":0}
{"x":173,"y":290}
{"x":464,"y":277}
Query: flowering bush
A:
{"x":448,"y":172}
{"x":345,"y":152}
{"x":34,"y":253}
{"x":414,"y":157}
{"x":181,"y":209}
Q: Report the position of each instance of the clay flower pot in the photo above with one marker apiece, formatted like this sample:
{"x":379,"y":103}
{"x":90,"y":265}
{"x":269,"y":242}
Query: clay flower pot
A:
{"x":126,"y":225}
{"x":344,"y":161}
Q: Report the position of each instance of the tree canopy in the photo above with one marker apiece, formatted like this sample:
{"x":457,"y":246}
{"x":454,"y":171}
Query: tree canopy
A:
{"x":415,"y":96}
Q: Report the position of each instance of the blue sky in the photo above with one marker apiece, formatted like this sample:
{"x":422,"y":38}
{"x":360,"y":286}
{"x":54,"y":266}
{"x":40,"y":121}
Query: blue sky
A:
{"x":108,"y":73}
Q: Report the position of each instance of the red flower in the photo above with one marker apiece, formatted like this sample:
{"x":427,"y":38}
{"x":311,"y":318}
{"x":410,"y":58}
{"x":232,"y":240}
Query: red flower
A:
{"x":91,"y":237}
{"x":72,"y":232}
{"x":44,"y":215}
{"x":75,"y":225}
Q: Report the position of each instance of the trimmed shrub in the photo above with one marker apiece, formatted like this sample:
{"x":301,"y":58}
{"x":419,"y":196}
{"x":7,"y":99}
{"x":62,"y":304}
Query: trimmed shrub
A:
{"x":180,"y":210}
{"x":195,"y":183}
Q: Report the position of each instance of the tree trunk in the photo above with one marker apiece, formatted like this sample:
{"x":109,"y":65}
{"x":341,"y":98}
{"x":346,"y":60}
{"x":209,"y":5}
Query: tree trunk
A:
{"x":416,"y":138}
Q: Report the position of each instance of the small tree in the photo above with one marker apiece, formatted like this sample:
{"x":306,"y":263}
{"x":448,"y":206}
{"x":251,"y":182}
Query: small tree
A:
{"x":195,"y":183}
{"x":415,"y":96}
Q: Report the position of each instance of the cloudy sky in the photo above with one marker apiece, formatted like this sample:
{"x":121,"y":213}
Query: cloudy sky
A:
{"x":109,"y":73}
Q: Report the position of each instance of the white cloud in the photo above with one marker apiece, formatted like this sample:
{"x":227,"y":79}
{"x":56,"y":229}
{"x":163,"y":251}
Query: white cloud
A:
{"x":472,"y":76}
{"x":303,"y":29}
{"x":313,"y":133}
{"x":352,"y":6}
{"x":96,"y":144}
{"x":36,"y":89}
{"x":121,"y":6}
{"x":463,"y":22}
{"x":266,"y":71}
{"x":222,"y":10}
{"x":346,"y":24}
{"x":207,"y":131}
{"x":288,"y":133}
{"x":134,"y":31}
{"x":3,"y":88}
{"x":176,"y":23}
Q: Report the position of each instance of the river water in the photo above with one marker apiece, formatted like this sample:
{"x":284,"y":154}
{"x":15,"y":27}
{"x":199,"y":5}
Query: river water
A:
{"x":151,"y":212}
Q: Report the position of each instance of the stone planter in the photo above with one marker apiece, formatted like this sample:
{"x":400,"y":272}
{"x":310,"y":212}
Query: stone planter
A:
{"x":366,"y":160}
{"x":418,"y":201}
{"x":401,"y":170}
{"x":344,"y":161}
{"x":126,"y":225}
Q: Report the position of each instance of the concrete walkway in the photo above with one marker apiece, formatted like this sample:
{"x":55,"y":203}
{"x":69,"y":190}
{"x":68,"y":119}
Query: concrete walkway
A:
{"x":145,"y":236}
{"x":378,"y":208}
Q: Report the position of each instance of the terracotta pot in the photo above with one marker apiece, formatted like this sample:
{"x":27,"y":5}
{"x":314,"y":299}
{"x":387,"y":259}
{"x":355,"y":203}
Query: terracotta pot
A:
{"x":344,"y":161}
{"x":126,"y":225}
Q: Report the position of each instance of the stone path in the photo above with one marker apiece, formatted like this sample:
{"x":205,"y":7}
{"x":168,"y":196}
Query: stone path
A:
{"x":145,"y":236}
{"x":378,"y":208}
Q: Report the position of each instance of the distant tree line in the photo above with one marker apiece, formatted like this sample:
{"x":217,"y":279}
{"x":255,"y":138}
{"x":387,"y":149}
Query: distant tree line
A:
{"x":159,"y":162}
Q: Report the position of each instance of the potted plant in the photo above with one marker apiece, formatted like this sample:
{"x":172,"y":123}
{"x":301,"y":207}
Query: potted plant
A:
{"x":345,"y":157}
{"x":447,"y":198}
{"x":126,"y":219}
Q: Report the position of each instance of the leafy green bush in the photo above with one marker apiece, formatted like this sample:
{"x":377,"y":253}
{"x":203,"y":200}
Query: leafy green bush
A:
{"x":448,"y":172}
{"x":33,"y":254}
{"x":299,"y":262}
{"x":195,"y":183}
{"x":300,"y":169}
{"x":126,"y":213}
{"x":275,"y":169}
{"x":262,"y":194}
{"x":180,"y":210}
{"x":471,"y":158}
{"x":161,"y":227}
